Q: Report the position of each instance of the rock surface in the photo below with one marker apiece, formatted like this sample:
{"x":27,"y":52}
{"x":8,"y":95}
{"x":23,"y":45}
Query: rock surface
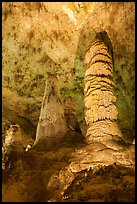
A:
{"x":49,"y":176}
{"x":12,"y":148}
{"x":40,"y":38}
{"x":100,"y":109}
{"x":32,"y":47}
{"x":52,"y":123}
{"x":93,"y":156}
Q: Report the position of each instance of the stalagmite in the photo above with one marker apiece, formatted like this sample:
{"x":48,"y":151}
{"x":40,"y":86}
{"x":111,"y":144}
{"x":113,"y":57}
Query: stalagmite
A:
{"x":52,"y":124}
{"x":100,"y":109}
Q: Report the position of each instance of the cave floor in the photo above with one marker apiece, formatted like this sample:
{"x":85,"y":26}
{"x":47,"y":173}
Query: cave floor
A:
{"x":28,"y":180}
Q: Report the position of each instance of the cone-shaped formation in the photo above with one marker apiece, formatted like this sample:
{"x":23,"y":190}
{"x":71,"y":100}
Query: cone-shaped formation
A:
{"x":100,"y":109}
{"x":52,"y":124}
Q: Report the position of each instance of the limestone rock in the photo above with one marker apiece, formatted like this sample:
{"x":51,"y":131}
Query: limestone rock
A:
{"x":28,"y":147}
{"x":92,"y":156}
{"x":38,"y":38}
{"x":100,"y":109}
{"x":14,"y":137}
{"x":52,"y":124}
{"x":12,"y":147}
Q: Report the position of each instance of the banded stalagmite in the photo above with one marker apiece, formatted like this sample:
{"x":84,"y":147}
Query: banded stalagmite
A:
{"x":52,"y":123}
{"x":100,"y":109}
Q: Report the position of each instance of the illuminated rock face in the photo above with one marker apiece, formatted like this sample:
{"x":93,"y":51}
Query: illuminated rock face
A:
{"x":52,"y":124}
{"x":12,"y":147}
{"x":100,"y":109}
{"x":14,"y":138}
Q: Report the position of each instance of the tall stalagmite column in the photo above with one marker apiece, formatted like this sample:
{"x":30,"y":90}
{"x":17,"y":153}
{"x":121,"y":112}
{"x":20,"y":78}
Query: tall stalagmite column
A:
{"x":52,"y":124}
{"x":100,"y":109}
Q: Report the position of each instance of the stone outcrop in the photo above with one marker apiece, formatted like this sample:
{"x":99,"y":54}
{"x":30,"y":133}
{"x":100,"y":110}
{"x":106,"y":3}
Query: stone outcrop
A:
{"x":104,"y":138}
{"x":100,"y":109}
{"x":91,"y":157}
{"x":52,"y":123}
{"x":14,"y":138}
{"x":12,"y":147}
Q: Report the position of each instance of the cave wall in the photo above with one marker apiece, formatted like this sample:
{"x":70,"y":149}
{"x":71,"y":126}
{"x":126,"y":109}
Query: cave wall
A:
{"x":40,"y":38}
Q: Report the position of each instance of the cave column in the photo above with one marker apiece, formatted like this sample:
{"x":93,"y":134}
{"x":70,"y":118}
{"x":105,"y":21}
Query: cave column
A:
{"x":100,"y":109}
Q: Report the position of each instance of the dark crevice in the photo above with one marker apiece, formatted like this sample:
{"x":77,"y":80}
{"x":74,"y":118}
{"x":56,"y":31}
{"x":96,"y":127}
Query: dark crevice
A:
{"x":95,"y":76}
{"x":98,"y":75}
{"x":102,"y":86}
{"x":102,"y":61}
{"x":97,"y":89}
{"x":100,"y":81}
{"x":107,"y":68}
{"x":100,"y":53}
{"x":108,"y":77}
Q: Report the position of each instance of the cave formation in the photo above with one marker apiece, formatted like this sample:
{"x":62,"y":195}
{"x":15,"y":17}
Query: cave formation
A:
{"x":100,"y":109}
{"x":91,"y":113}
{"x":52,"y":123}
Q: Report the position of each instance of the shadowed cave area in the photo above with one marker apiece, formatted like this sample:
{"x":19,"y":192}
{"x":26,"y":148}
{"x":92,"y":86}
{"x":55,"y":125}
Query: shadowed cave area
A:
{"x":68,"y":102}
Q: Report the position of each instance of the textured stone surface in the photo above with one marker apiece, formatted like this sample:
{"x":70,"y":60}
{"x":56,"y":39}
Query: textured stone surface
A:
{"x":52,"y":123}
{"x":93,"y":156}
{"x":42,"y":37}
{"x":107,"y":184}
{"x":39,"y":38}
{"x":12,"y":147}
{"x":14,"y":137}
{"x":100,"y":109}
